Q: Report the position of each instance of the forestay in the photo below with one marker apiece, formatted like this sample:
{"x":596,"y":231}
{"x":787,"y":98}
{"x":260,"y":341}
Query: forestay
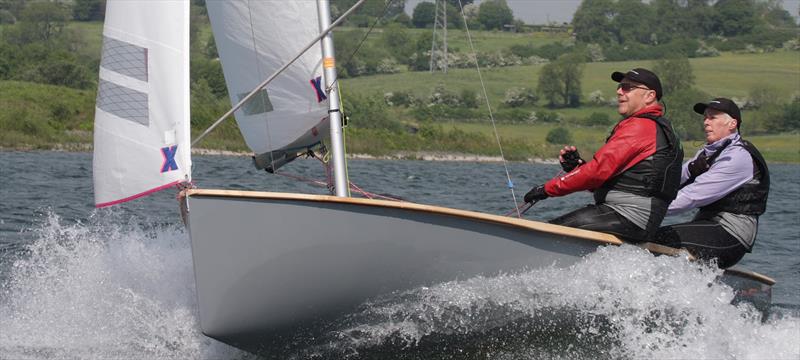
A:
{"x":255,"y":38}
{"x":141,"y":129}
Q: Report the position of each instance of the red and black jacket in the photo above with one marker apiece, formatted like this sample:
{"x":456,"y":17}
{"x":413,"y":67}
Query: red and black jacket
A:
{"x":641,"y":156}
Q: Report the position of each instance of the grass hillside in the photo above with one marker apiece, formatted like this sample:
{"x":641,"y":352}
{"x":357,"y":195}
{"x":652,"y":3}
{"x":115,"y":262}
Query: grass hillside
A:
{"x":46,"y":116}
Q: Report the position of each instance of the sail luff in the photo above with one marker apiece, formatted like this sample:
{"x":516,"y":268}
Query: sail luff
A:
{"x":141,"y":129}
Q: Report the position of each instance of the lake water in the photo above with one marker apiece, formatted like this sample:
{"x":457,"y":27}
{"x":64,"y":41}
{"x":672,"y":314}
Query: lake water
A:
{"x":76,"y":282}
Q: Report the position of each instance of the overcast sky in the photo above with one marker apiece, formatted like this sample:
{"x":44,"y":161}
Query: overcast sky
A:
{"x":542,"y":11}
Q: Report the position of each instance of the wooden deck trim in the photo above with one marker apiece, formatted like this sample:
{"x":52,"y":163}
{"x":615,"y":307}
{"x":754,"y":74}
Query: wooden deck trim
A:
{"x":471,"y":215}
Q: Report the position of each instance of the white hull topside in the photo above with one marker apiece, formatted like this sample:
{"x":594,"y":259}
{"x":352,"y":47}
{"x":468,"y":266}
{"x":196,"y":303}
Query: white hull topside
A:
{"x":267,"y":262}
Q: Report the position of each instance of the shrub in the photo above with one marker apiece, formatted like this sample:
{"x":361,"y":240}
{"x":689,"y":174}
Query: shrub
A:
{"x":469,"y":99}
{"x":559,"y":136}
{"x":398,"y":98}
{"x":548,"y":117}
{"x":598,"y":119}
{"x":516,"y":97}
{"x":596,"y":98}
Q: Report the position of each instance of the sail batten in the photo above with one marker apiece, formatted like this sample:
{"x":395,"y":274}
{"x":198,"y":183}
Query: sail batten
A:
{"x":289,"y":113}
{"x":142,"y":137}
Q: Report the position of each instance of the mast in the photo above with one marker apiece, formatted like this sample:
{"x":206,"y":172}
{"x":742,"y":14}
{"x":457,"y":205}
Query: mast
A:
{"x":439,"y":51}
{"x":334,"y":114}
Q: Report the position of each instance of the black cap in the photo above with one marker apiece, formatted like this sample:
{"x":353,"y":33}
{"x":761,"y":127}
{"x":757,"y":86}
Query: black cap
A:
{"x":721,"y":104}
{"x":641,"y":76}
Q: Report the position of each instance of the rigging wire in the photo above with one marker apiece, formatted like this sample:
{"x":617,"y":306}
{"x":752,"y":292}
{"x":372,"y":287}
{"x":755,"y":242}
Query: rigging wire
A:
{"x":360,"y":43}
{"x":489,"y":106}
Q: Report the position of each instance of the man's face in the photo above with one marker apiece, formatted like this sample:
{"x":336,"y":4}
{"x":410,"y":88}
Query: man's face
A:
{"x":717,"y":125}
{"x":632,"y":97}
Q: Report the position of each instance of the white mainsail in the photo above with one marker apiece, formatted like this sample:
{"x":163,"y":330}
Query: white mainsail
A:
{"x":254,"y":39}
{"x":141,"y":129}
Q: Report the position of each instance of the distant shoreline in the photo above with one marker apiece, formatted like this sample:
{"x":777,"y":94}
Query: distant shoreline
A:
{"x":401,"y":155}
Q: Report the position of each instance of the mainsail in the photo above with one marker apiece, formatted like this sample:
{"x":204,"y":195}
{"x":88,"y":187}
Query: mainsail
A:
{"x":254,"y":39}
{"x":141,"y":129}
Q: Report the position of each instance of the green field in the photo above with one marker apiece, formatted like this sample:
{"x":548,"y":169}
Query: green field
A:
{"x":728,"y":75}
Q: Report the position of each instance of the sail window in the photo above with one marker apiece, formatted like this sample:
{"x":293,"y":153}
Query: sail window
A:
{"x":123,"y":102}
{"x":258,"y":104}
{"x":124,"y":58}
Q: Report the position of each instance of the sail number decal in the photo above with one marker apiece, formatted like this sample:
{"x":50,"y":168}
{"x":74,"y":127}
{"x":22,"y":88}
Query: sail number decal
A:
{"x":169,"y":158}
{"x":317,"y":84}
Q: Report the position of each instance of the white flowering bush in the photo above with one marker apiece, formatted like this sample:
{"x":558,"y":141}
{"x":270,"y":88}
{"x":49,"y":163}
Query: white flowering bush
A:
{"x":519,"y":96}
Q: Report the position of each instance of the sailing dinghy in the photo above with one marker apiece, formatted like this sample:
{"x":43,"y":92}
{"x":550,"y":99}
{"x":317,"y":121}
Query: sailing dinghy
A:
{"x":276,"y":266}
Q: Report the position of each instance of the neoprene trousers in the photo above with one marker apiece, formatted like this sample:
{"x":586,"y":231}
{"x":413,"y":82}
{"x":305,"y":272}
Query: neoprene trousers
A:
{"x":705,"y":239}
{"x":603,"y":219}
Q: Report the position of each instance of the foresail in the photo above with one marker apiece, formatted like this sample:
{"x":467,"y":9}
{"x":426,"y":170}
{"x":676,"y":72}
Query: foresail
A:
{"x":254,"y":39}
{"x":141,"y":128}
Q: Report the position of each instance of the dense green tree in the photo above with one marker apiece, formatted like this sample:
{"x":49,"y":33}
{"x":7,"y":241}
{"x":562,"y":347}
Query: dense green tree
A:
{"x":455,"y":3}
{"x":41,"y":21}
{"x":14,"y":7}
{"x":592,"y":21}
{"x":423,"y":15}
{"x":6,"y":17}
{"x":549,"y":87}
{"x":675,"y":73}
{"x":396,"y":38}
{"x":788,"y":119}
{"x":734,"y":17}
{"x":773,"y":14}
{"x":631,"y":22}
{"x":560,"y":81}
{"x":88,"y":10}
{"x":493,"y":14}
{"x":687,"y":124}
{"x":372,"y":8}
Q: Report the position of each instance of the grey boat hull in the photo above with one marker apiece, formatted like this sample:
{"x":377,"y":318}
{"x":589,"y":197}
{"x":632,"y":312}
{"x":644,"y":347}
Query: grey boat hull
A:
{"x":268,"y":265}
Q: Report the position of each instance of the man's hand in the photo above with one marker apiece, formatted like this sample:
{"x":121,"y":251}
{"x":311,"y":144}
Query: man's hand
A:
{"x":536,"y":194}
{"x":570,"y":158}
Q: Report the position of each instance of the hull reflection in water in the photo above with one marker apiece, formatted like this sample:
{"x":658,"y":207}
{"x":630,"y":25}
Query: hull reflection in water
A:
{"x":278,"y":272}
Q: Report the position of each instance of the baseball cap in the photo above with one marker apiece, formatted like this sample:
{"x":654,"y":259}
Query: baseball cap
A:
{"x":642,"y":76}
{"x":721,"y":104}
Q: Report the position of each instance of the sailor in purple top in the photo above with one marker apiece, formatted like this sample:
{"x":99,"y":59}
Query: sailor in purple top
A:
{"x":728,"y":181}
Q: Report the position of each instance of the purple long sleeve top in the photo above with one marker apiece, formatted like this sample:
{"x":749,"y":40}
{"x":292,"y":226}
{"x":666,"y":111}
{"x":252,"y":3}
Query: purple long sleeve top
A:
{"x":732,"y":168}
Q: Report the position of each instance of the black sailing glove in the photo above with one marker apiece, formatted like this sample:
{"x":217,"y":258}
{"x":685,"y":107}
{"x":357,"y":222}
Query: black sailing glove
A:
{"x":536,"y":194}
{"x":572,"y":159}
{"x":699,"y":165}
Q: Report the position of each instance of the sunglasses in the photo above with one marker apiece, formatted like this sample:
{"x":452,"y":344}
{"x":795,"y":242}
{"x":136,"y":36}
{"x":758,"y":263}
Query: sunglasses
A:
{"x":627,"y":87}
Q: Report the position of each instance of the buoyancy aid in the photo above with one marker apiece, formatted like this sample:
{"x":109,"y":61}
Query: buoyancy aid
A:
{"x":750,"y":198}
{"x":656,"y":176}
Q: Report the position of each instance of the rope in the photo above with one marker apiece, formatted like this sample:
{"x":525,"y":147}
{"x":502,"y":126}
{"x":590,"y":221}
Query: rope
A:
{"x":510,"y":183}
{"x":521,"y":209}
{"x":329,"y":180}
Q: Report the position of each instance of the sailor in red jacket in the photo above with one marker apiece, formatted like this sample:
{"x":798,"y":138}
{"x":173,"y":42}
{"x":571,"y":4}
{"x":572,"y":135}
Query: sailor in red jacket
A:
{"x":634,"y":176}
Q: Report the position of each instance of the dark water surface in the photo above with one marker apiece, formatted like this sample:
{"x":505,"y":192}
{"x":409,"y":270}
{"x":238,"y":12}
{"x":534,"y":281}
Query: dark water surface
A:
{"x":76,"y":282}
